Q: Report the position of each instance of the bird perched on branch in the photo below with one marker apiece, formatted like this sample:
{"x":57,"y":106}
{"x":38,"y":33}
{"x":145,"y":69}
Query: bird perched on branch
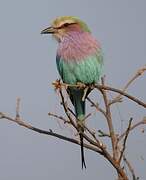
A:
{"x":79,"y":60}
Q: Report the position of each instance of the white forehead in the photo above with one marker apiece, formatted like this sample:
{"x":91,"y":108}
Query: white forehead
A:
{"x":63,"y":20}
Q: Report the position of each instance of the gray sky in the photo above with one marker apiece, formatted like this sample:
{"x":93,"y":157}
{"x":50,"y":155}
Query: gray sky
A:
{"x":27,"y":68}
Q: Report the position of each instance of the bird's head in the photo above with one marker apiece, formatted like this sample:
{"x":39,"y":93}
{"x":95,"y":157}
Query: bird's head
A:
{"x":64,"y":25}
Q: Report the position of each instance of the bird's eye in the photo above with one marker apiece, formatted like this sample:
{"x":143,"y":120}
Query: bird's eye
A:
{"x":66,"y":25}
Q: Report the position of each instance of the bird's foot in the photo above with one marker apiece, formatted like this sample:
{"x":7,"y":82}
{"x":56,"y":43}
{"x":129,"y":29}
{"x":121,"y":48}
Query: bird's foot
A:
{"x":57,"y":84}
{"x":81,"y":85}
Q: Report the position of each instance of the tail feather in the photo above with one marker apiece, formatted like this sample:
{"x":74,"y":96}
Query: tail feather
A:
{"x":80,"y":114}
{"x":79,"y":105}
{"x":82,"y":152}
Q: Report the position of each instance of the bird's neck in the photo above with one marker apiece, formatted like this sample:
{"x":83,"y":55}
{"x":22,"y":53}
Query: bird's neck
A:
{"x":77,"y":46}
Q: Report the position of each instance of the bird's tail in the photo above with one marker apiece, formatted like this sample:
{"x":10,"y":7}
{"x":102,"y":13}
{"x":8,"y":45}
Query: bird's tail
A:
{"x":82,"y":151}
{"x":79,"y":105}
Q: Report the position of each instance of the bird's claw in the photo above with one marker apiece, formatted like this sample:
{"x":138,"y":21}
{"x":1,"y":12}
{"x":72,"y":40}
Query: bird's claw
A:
{"x":81,"y":85}
{"x":57,"y":84}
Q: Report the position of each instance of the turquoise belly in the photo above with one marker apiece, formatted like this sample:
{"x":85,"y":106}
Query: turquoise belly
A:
{"x":85,"y":71}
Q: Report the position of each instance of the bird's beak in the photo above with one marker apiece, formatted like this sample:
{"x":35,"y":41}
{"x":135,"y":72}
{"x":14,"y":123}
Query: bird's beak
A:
{"x":49,"y":30}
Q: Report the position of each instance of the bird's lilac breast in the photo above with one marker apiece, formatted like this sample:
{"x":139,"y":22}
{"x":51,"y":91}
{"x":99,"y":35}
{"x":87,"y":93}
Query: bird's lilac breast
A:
{"x":77,"y":46}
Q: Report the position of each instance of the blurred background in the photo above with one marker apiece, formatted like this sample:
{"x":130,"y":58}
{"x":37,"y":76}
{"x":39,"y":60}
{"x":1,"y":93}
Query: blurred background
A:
{"x":28,"y":67}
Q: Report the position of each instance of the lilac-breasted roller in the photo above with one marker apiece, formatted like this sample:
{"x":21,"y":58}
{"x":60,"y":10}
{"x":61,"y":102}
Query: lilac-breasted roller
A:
{"x":79,"y":60}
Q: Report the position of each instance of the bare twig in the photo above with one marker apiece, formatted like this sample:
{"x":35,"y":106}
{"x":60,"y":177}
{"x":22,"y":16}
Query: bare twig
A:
{"x":70,"y":110}
{"x":109,"y":119}
{"x":96,"y":106}
{"x":136,"y":100}
{"x":103,"y":134}
{"x":66,"y":109}
{"x":100,"y":144}
{"x":17,"y":107}
{"x":133,"y":127}
{"x":59,"y":117}
{"x":130,"y":168}
{"x":118,"y":98}
{"x":125,"y":139}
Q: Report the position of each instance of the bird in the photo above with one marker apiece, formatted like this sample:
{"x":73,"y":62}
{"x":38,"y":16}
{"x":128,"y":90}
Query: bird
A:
{"x":79,"y":60}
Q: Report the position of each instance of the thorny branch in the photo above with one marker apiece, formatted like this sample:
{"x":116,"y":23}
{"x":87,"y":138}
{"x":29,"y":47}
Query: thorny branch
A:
{"x":94,"y":142}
